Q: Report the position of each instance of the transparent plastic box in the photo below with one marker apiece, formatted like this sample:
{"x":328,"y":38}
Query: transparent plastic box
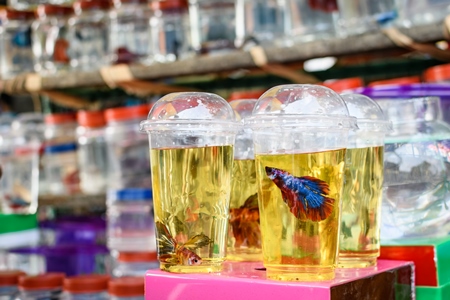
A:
{"x":16,"y":55}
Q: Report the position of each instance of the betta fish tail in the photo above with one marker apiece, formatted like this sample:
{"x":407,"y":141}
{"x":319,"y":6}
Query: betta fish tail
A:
{"x":322,"y":212}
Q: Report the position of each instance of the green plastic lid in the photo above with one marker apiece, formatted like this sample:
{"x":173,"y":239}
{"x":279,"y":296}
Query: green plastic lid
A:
{"x":14,"y":223}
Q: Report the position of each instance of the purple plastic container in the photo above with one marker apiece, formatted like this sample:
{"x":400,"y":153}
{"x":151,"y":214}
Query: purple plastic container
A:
{"x":411,"y":91}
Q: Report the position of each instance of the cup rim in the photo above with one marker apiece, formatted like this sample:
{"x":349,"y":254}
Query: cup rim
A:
{"x":340,"y":122}
{"x":148,"y":126}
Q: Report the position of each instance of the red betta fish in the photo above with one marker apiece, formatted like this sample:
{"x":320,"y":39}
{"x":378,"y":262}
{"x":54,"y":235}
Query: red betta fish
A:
{"x":307,"y":197}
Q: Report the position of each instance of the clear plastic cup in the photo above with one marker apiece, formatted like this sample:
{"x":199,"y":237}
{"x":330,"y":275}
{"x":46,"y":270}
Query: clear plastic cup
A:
{"x":191,"y":147}
{"x":359,"y":242}
{"x":244,"y":234}
{"x":300,"y":135}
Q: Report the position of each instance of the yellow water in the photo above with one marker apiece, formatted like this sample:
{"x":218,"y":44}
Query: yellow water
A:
{"x":191,"y":190}
{"x":244,"y":234}
{"x":361,"y":204}
{"x":294,"y":249}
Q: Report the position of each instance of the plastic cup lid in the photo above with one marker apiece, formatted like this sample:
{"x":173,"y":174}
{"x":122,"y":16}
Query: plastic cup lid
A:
{"x":243,"y":108}
{"x":130,"y":195}
{"x":191,"y":111}
{"x":301,"y":105}
{"x":41,"y":282}
{"x":10,"y":277}
{"x":368,"y":113}
{"x":86,"y":283}
{"x":126,"y":287}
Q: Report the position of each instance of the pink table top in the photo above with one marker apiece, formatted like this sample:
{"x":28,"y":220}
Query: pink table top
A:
{"x":247,"y":280}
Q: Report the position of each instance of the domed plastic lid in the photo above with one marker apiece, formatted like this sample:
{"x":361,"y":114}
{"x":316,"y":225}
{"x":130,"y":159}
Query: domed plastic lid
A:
{"x":189,"y":111}
{"x":126,"y":287}
{"x":10,"y":277}
{"x":86,"y":283}
{"x":368,"y":113}
{"x":243,"y":108}
{"x":301,"y":105}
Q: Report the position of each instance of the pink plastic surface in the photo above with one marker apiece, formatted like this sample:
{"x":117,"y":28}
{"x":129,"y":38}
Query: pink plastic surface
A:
{"x":246,"y":280}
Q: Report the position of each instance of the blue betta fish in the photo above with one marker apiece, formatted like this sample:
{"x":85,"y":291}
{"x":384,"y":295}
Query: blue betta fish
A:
{"x":307,"y":196}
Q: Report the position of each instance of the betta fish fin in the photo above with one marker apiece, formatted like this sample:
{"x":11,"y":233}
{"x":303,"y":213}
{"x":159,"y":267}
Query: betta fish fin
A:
{"x":295,"y":202}
{"x":318,"y":205}
{"x":251,"y":202}
{"x":197,"y":241}
{"x":166,"y":243}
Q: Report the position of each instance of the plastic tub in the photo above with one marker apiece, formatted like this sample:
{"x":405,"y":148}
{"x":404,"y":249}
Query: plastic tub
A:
{"x":131,"y":226}
{"x":92,"y":153}
{"x":128,"y":156}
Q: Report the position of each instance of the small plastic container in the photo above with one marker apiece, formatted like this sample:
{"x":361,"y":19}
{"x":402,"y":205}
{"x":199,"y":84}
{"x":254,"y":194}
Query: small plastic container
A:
{"x":85,"y":287}
{"x":19,"y":185}
{"x":134,"y":263}
{"x":128,"y":156}
{"x":129,"y":38}
{"x":60,"y":159}
{"x":311,"y":20}
{"x":49,"y":38}
{"x":396,"y":81}
{"x":8,"y":283}
{"x":92,"y":153}
{"x":438,"y":74}
{"x":170,"y":30}
{"x":360,"y":16}
{"x":131,"y":227}
{"x":421,"y":12}
{"x":16,"y":55}
{"x":45,"y":286}
{"x":28,"y":259}
{"x":88,"y":35}
{"x":343,"y":85}
{"x":212,"y":25}
{"x":126,"y":288}
{"x":262,"y":20}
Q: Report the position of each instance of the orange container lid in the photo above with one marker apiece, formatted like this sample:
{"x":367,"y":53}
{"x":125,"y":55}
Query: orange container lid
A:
{"x":61,"y":118}
{"x":86,"y":283}
{"x":239,"y":95}
{"x":399,"y":80}
{"x":437,"y":73}
{"x":10,"y":277}
{"x":91,"y":118}
{"x":45,"y":10}
{"x":137,"y":256}
{"x":84,"y":5}
{"x":127,"y":113}
{"x":339,"y":85}
{"x":41,"y":282}
{"x":169,"y":4}
{"x":126,"y":287}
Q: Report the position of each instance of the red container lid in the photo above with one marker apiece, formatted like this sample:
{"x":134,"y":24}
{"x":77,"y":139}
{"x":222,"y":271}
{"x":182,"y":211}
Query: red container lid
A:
{"x":127,"y":113}
{"x":91,"y":118}
{"x":340,"y":85}
{"x":118,"y":2}
{"x":86,"y":283}
{"x":126,"y":287}
{"x":85,"y":5}
{"x":437,"y":73}
{"x":12,"y":14}
{"x":41,"y":282}
{"x":400,"y":80}
{"x":60,"y":118}
{"x":169,"y":4}
{"x":53,"y":10}
{"x":245,"y":95}
{"x":137,"y":256}
{"x":10,"y":277}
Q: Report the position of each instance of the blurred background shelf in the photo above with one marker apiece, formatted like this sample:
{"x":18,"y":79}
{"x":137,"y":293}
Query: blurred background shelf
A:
{"x":235,"y":60}
{"x":79,"y":201}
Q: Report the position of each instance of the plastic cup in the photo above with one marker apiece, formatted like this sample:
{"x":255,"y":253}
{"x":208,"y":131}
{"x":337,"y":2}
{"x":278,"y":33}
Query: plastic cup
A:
{"x":359,"y":242}
{"x":300,"y":137}
{"x":191,"y":139}
{"x":244,"y":234}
